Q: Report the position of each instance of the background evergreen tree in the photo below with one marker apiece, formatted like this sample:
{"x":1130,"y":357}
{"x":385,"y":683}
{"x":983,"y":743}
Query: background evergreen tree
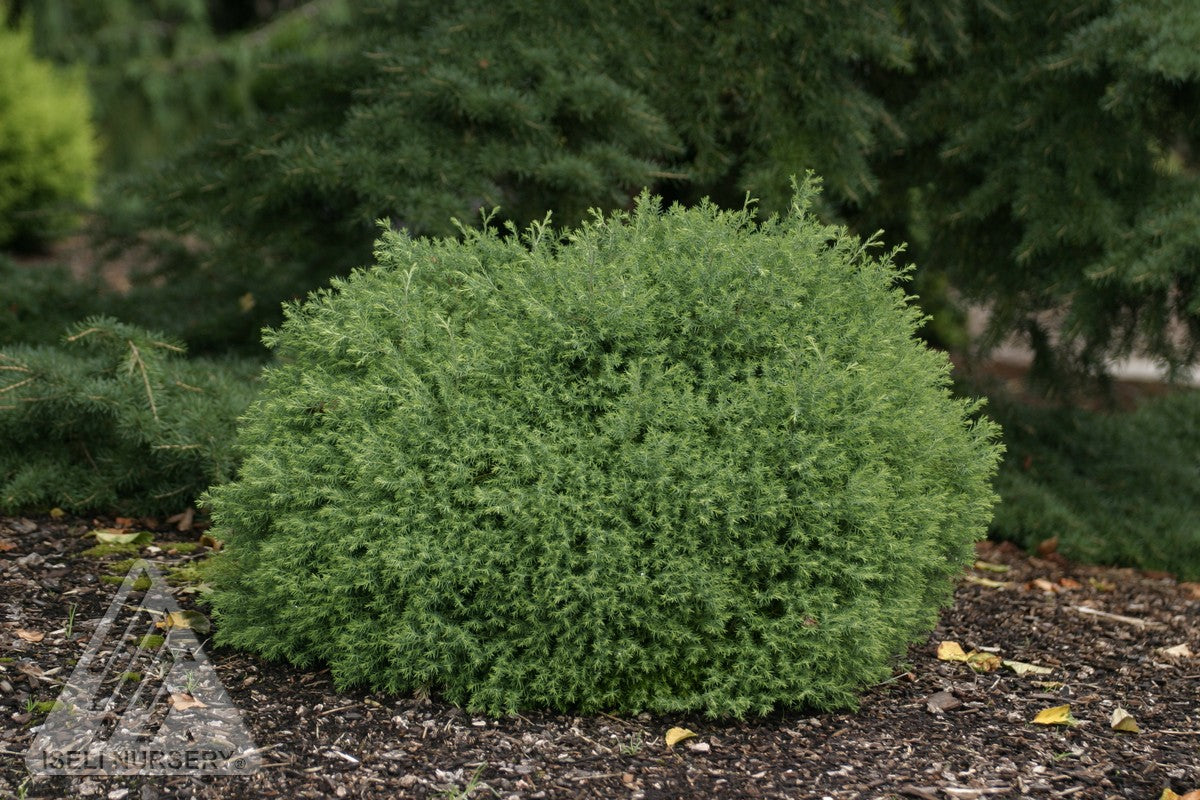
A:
{"x":420,"y":112}
{"x":1038,"y":156}
{"x":1049,"y":171}
{"x":160,"y":71}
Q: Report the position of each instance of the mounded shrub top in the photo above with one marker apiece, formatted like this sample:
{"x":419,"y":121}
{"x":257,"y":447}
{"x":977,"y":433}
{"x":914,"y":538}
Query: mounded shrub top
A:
{"x":668,"y":461}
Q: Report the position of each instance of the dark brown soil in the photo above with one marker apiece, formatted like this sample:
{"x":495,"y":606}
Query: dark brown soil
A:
{"x":937,"y":729}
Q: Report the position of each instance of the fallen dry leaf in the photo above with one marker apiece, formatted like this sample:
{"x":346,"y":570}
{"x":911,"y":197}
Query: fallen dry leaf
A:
{"x":1069,"y":583}
{"x":1169,"y":795}
{"x":6,"y":545}
{"x":1178,"y":651}
{"x":1122,"y":720}
{"x":57,"y":513}
{"x":1021,"y":668}
{"x":185,"y":619}
{"x":30,"y":636}
{"x":211,"y":543}
{"x":987,"y":566}
{"x":1058,"y":715}
{"x":1044,"y":585}
{"x":983,"y":662}
{"x":993,"y":584}
{"x":113,"y":536}
{"x":182,"y":701}
{"x":1101,"y":585}
{"x":1048,"y":546}
{"x":676,"y":735}
{"x":1191,"y":588}
{"x":951,"y":651}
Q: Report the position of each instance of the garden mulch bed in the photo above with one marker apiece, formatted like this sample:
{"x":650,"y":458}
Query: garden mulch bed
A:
{"x":937,"y":729}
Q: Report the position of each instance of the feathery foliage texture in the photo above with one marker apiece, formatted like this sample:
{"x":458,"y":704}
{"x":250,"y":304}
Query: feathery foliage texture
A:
{"x":1083,"y":477}
{"x":668,"y":460}
{"x":114,"y":419}
{"x":47,"y":151}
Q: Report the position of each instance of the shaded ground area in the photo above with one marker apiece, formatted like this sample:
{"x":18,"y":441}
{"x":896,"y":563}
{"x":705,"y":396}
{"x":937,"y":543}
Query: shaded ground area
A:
{"x":939,"y":729}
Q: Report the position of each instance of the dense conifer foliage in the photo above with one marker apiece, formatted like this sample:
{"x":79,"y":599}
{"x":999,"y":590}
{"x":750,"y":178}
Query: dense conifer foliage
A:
{"x":1039,"y":157}
{"x":1110,"y":488}
{"x":425,"y":111}
{"x":1049,"y":169}
{"x":670,"y":460}
{"x":115,"y":420}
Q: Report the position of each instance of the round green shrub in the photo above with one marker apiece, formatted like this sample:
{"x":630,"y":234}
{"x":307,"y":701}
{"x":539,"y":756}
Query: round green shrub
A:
{"x":47,"y":147}
{"x":668,"y":461}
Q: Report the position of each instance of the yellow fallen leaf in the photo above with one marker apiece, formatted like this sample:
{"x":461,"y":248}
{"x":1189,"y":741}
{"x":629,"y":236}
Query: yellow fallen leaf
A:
{"x":983,"y":662}
{"x":30,"y":636}
{"x":1059,"y":715}
{"x":1101,"y":585}
{"x":987,"y":566}
{"x":991,"y":584}
{"x":185,"y":619}
{"x":677,"y":735}
{"x":57,"y":513}
{"x":1168,"y":795}
{"x":182,"y":701}
{"x":211,"y":543}
{"x":1122,"y":720}
{"x":1021,"y":668}
{"x":950,"y":651}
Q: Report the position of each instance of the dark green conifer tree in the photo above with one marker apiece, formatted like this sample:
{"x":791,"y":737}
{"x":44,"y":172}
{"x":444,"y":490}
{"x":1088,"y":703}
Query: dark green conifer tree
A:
{"x":1049,"y":171}
{"x":421,"y":112}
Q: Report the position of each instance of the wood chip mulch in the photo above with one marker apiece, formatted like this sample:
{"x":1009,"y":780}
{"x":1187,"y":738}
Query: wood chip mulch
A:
{"x":1112,"y":638}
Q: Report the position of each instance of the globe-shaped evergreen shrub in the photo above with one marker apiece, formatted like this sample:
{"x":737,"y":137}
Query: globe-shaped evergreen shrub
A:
{"x":668,"y":461}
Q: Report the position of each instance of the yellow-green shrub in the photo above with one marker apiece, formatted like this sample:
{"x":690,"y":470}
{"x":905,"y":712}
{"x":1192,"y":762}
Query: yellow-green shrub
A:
{"x":47,"y":147}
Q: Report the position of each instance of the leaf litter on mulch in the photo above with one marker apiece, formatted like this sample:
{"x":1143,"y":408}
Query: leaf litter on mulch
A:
{"x":1053,"y":656}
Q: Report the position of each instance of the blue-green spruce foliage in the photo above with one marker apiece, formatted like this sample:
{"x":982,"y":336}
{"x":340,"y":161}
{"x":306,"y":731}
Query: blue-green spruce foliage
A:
{"x":670,"y":461}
